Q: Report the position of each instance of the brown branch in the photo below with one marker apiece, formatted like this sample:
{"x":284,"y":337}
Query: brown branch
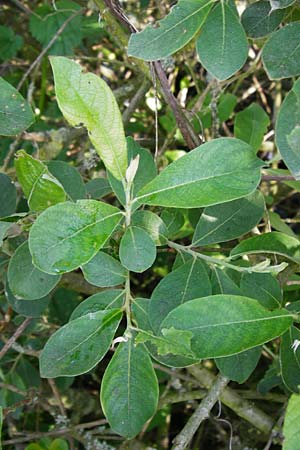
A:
{"x":191,"y":138}
{"x":278,"y":178}
{"x":15,"y":336}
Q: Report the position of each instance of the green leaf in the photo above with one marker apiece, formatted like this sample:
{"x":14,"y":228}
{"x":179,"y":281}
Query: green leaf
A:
{"x":24,"y":307}
{"x":171,"y":33}
{"x":223,"y":325}
{"x":140,"y":310}
{"x":40,"y":187}
{"x":67,"y":235}
{"x":129,"y":390}
{"x":10,"y":43}
{"x":98,"y":188}
{"x":187,"y":282}
{"x":274,"y":243}
{"x":174,"y":342}
{"x":145,"y":173}
{"x":25,"y":280}
{"x":46,"y":21}
{"x":86,"y":99}
{"x":230,"y":220}
{"x":4,"y":227}
{"x":281,"y":4}
{"x":287,"y":130}
{"x":263,"y":287}
{"x":290,"y":359}
{"x":219,"y":171}
{"x":291,"y":430}
{"x":222,"y":283}
{"x":240,"y":366}
{"x":79,"y":345}
{"x":278,"y":224}
{"x":59,"y":444}
{"x":174,"y":221}
{"x":222,"y":45}
{"x":15,"y":112}
{"x":259,"y":19}
{"x":137,"y":250}
{"x":108,"y":299}
{"x":251,"y":124}
{"x":8,"y":196}
{"x":281,"y":54}
{"x":104,"y":271}
{"x":152,"y":224}
{"x":69,"y":177}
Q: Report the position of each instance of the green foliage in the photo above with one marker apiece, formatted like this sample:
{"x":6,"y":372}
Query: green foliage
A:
{"x":129,"y":373}
{"x":290,"y":433}
{"x":171,"y":33}
{"x":195,"y":162}
{"x":79,"y":345}
{"x":222,"y":45}
{"x":75,"y":92}
{"x":196,"y":180}
{"x":46,"y":22}
{"x":10,"y":43}
{"x":83,"y":229}
{"x":15,"y":112}
{"x":287,"y":130}
{"x":287,"y":40}
{"x":39,"y":186}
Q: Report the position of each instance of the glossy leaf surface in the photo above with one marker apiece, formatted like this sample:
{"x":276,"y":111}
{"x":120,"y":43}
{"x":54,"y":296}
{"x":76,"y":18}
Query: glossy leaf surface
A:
{"x":229,"y":220}
{"x":137,"y":250}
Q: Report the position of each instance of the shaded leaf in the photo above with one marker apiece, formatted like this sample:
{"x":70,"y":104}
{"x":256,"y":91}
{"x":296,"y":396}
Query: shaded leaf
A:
{"x":287,"y":130}
{"x":183,"y":284}
{"x":229,"y":220}
{"x":263,"y":287}
{"x":258,"y":19}
{"x":8,"y":196}
{"x":15,"y":112}
{"x":152,"y":224}
{"x":290,"y":359}
{"x":222,"y":45}
{"x":281,"y":54}
{"x":69,"y":177}
{"x":79,"y":345}
{"x":131,"y":377}
{"x":104,"y":271}
{"x":25,"y":280}
{"x":251,"y":124}
{"x":240,"y":366}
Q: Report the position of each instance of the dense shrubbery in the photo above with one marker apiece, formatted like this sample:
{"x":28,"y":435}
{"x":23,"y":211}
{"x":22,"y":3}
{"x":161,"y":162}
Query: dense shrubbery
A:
{"x":149,"y":198}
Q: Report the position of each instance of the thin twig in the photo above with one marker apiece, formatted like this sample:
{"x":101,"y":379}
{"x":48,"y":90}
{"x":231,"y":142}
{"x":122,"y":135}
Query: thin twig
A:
{"x":15,"y":336}
{"x":136,"y":99}
{"x":60,"y":432}
{"x":202,"y":412}
{"x":48,"y":46}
